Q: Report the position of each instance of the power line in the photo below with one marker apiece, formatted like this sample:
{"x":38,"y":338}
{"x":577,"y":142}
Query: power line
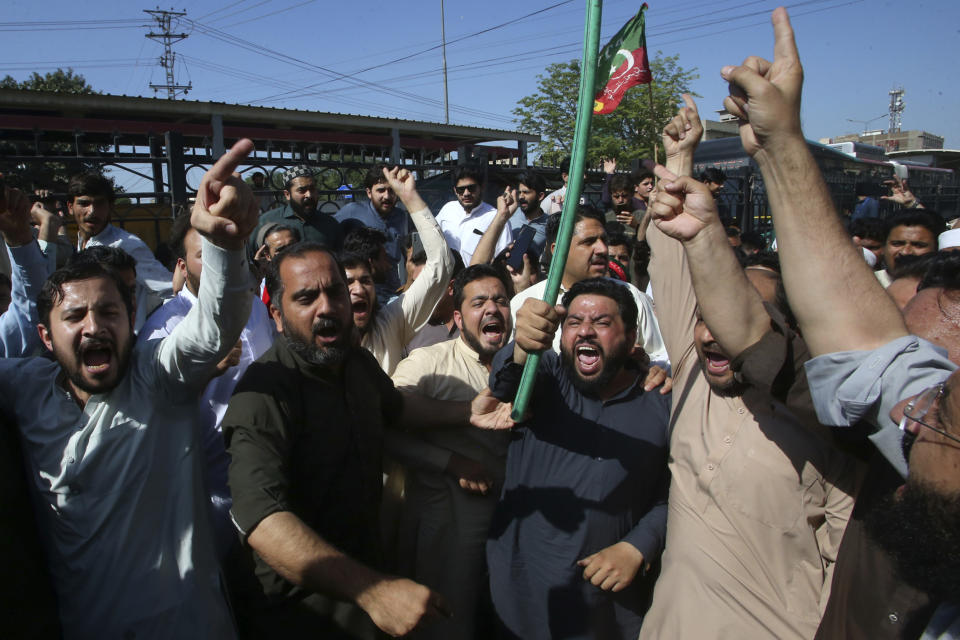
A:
{"x":272,"y":13}
{"x":168,"y":59}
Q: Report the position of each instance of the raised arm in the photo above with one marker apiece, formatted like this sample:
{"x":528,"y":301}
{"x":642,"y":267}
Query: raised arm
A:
{"x":224,"y":214}
{"x":28,"y":271}
{"x":487,"y":247}
{"x":685,"y":210}
{"x":838,"y":302}
{"x":419,"y":300}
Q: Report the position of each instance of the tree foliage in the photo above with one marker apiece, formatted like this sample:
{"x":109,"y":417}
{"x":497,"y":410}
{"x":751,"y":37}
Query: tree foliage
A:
{"x":51,"y":174}
{"x":627,"y":134}
{"x":59,"y":80}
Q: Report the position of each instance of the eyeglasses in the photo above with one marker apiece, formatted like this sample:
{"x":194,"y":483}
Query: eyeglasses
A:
{"x":472,"y":188}
{"x":917,"y":411}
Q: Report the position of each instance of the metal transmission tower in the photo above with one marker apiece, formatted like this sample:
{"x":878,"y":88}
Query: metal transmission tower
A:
{"x":167,"y":60}
{"x":896,"y":108}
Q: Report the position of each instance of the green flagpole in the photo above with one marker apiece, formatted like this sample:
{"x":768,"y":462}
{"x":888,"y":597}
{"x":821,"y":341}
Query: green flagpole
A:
{"x":581,"y":133}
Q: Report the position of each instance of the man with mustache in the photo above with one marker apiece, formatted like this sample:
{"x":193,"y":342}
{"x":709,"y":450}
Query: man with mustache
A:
{"x":90,"y":199}
{"x":110,"y":441}
{"x":866,"y":366}
{"x":588,"y":258}
{"x":385,"y":331}
{"x":447,"y":508}
{"x":582,"y":514}
{"x":302,"y":195}
{"x":911,"y":233}
{"x":759,"y":494}
{"x":304,"y":430}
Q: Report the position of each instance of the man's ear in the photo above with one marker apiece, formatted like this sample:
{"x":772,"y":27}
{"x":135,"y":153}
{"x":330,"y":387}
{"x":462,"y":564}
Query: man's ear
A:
{"x":277,"y":317}
{"x":458,"y":319}
{"x":45,"y":336}
{"x":286,"y":194}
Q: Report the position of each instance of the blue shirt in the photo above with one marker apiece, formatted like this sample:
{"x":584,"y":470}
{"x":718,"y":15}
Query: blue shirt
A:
{"x":866,"y":208}
{"x":18,"y":324}
{"x":519,"y":220}
{"x":395,"y":225}
{"x":581,"y":474}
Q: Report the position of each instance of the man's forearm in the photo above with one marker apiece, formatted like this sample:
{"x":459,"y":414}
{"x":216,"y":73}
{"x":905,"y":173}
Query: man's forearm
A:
{"x":484,"y":253}
{"x":301,"y":556}
{"x":730,"y":305}
{"x":214,"y":324}
{"x":420,"y":299}
{"x":838,"y":302}
{"x":423,"y":412}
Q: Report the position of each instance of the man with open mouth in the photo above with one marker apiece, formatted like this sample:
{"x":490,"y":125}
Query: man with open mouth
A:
{"x":385,"y":331}
{"x":582,"y":515}
{"x":110,"y":439}
{"x":448,"y":505}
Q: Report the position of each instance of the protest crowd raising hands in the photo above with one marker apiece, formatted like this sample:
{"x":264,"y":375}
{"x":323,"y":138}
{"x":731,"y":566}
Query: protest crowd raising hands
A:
{"x":304,"y":427}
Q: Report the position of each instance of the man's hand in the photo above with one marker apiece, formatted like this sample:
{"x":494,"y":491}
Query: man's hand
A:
{"x":507,"y":203}
{"x":231,"y":360}
{"x":609,"y":165}
{"x":398,"y":606}
{"x":15,"y":217}
{"x":682,"y":207}
{"x":764,"y":96}
{"x":613,"y":568}
{"x":226,"y":210}
{"x":537,"y":321}
{"x":401,"y":181}
{"x":472,"y":475}
{"x":627,"y":218}
{"x":48,"y":222}
{"x":658,"y":377}
{"x":487,"y":412}
{"x":901,"y":194}
{"x":524,"y":278}
{"x":682,"y":134}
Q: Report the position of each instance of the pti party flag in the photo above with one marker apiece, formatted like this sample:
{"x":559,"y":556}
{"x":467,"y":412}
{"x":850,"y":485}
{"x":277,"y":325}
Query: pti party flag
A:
{"x":623,"y":63}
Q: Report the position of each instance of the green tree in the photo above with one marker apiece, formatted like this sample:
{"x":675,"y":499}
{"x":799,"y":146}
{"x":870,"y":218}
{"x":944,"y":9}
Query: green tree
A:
{"x":59,"y":80}
{"x":627,"y":134}
{"x":45,"y":175}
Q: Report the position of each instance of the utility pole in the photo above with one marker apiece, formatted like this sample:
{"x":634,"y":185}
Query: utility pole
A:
{"x":896,"y":108}
{"x":443,"y":42}
{"x":167,"y":60}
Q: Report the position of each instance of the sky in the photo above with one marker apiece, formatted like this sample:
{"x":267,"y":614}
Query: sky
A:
{"x":384,"y":59}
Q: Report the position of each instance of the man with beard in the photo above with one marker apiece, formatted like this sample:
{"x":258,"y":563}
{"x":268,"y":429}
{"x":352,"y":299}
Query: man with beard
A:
{"x":385,"y":331}
{"x":866,"y":365}
{"x":531,"y":190}
{"x":759,"y":494}
{"x":380,"y":212}
{"x":911,"y":233}
{"x":447,"y":508}
{"x":587,"y":258}
{"x":465,"y":220}
{"x":583,"y":507}
{"x":256,"y":338}
{"x":302,"y":194}
{"x":109,"y":436}
{"x":304,"y":431}
{"x":90,"y":199}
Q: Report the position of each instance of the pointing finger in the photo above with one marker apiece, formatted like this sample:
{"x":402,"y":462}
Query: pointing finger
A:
{"x":784,"y":43}
{"x":228,"y":162}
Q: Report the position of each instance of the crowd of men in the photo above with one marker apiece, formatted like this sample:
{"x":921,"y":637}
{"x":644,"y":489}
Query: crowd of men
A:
{"x":304,"y":429}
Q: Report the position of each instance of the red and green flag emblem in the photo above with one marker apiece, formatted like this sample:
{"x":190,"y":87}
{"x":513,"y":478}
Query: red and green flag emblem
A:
{"x":623,"y":63}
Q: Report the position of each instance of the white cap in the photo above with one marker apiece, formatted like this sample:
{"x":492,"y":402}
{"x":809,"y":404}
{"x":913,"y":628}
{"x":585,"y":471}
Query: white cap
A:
{"x":869,"y":256}
{"x":949,"y":239}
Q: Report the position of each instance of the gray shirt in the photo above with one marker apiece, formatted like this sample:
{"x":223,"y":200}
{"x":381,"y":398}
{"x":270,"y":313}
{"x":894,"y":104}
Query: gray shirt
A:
{"x":849,"y":386}
{"x":118,"y":483}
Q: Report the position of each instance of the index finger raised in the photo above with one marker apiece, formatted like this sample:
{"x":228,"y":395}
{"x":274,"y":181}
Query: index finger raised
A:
{"x":663,"y":173}
{"x":228,"y":162}
{"x":784,"y":43}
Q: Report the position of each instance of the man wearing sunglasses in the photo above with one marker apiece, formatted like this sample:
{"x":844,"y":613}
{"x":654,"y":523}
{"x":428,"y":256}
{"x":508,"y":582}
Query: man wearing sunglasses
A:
{"x":866,"y":364}
{"x":465,"y":219}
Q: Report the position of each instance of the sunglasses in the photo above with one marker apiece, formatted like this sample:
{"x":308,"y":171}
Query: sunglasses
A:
{"x":917,"y":411}
{"x":472,"y":188}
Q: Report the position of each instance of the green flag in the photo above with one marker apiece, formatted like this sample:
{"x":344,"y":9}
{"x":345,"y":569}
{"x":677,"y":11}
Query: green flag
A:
{"x":623,"y":63}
